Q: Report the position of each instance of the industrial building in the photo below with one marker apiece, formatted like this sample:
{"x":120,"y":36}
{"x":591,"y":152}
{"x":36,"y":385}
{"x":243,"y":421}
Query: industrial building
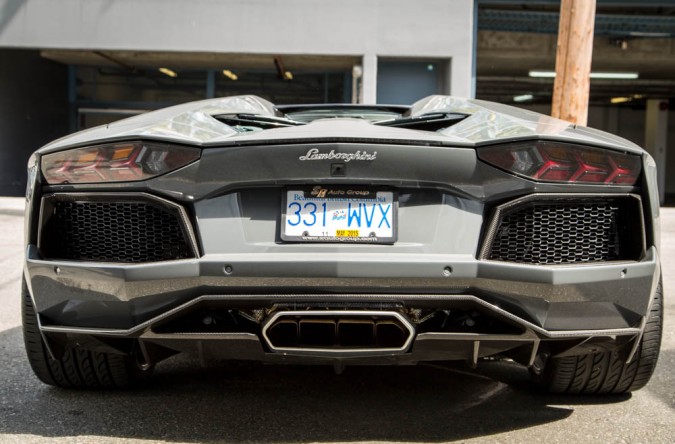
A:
{"x":74,"y":64}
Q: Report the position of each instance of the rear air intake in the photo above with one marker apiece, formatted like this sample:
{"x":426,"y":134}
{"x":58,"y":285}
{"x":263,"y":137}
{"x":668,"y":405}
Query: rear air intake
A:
{"x":114,"y":228}
{"x":549,"y":230}
{"x":338,"y":331}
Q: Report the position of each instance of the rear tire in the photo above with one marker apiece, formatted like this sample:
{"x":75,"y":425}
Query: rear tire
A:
{"x":77,"y":368}
{"x":606,"y":372}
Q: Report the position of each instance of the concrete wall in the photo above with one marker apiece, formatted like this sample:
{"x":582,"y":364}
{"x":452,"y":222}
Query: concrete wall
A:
{"x":33,"y":111}
{"x":383,"y":28}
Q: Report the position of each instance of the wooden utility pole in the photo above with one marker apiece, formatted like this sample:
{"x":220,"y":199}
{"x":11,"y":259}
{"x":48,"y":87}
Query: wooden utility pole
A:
{"x":573,"y":61}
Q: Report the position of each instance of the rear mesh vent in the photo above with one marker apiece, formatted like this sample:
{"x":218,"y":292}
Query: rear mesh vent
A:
{"x":567,"y":232}
{"x":109,"y":231}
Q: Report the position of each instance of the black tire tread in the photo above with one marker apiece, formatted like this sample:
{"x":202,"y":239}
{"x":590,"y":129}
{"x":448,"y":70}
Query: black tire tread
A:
{"x":606,"y":372}
{"x":77,"y":368}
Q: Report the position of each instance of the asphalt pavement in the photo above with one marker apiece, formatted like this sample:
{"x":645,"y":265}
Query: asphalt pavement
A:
{"x":273,"y":404}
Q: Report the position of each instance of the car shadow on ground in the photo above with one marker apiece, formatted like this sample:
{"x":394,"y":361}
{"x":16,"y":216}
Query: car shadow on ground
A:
{"x":256,"y":403}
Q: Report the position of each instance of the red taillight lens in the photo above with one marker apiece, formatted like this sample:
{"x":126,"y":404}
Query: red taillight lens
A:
{"x":116,"y":162}
{"x":560,"y":162}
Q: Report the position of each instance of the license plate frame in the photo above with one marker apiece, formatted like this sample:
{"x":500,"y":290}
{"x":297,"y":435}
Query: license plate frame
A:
{"x":337,"y":198}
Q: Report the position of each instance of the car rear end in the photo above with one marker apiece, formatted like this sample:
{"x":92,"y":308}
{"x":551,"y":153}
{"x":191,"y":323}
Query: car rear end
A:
{"x":344,"y":243}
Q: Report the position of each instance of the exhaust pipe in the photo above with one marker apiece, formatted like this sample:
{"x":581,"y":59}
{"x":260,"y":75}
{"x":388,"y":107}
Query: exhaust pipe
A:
{"x":335,"y":332}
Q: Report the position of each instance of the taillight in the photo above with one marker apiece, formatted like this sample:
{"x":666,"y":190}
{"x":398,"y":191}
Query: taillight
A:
{"x":561,"y":162}
{"x":115,"y":162}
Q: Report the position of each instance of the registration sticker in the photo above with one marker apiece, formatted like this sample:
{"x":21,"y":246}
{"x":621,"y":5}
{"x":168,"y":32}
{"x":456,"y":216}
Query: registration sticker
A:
{"x":347,"y":233}
{"x":358,"y":215}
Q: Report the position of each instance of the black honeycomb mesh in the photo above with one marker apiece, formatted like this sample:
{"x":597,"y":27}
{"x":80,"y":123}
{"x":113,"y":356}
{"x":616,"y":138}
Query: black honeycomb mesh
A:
{"x":113,"y":232}
{"x":558,"y":233}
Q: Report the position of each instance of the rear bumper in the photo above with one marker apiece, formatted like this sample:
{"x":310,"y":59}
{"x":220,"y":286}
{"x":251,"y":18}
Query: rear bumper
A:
{"x":126,"y":298}
{"x":523,"y":345}
{"x":117,"y":308}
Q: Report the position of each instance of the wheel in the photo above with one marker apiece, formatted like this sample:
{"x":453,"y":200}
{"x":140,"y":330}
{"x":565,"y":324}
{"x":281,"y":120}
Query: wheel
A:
{"x":606,"y":372}
{"x":77,"y":368}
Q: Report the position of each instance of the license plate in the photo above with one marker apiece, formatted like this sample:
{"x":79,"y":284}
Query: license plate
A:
{"x":339,"y":215}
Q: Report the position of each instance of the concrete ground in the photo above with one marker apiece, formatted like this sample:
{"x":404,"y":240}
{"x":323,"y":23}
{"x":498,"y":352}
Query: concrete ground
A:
{"x":251,"y":403}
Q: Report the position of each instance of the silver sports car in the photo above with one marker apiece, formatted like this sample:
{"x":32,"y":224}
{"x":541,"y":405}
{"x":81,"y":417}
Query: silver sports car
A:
{"x":452,"y":229}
